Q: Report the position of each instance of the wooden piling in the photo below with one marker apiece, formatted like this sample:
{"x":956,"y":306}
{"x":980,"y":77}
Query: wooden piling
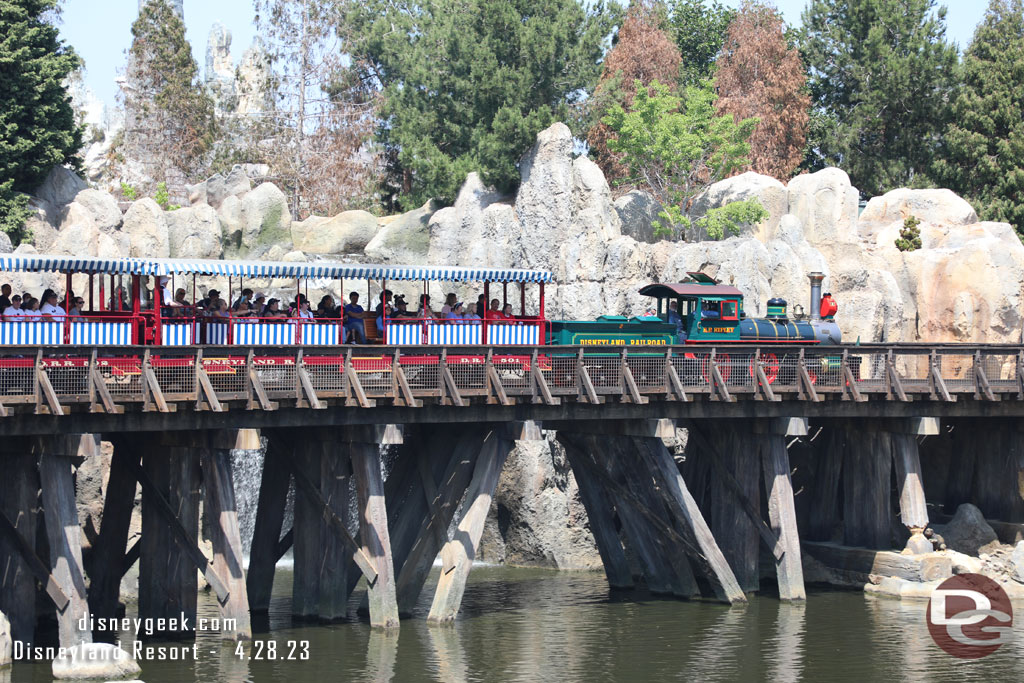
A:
{"x":335,"y":473}
{"x":782,"y":516}
{"x":429,"y":514}
{"x":736,"y":451}
{"x":458,"y":553}
{"x":913,"y":508}
{"x":998,"y":486}
{"x":168,"y":581}
{"x":373,"y":531}
{"x":222,"y":520}
{"x":56,"y":478}
{"x":867,"y":476}
{"x":307,"y":550}
{"x":601,"y":518}
{"x":106,"y":570}
{"x":19,"y":493}
{"x":823,"y":516}
{"x":270,"y":509}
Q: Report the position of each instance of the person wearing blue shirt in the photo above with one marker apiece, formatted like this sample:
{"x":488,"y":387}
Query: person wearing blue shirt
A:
{"x":354,"y":319}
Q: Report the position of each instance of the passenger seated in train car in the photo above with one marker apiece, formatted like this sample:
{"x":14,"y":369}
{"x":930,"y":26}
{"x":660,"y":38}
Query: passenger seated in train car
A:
{"x":75,"y":312}
{"x":506,"y":312}
{"x":259,"y":300}
{"x":119,"y":300}
{"x":494,"y":312}
{"x":183,"y":306}
{"x":245,"y":297}
{"x":220,"y":309}
{"x":326,"y":308}
{"x":272,"y":310}
{"x":455,"y":311}
{"x":50,"y":308}
{"x":424,"y":311}
{"x":449,"y":302}
{"x":30,"y":308}
{"x":13,"y":313}
{"x":481,"y":306}
{"x":5,"y":297}
{"x":353,"y":322}
{"x":402,"y":308}
{"x":710,"y":310}
{"x":386,"y":299}
{"x":243,"y":310}
{"x":380,"y":319}
{"x":302,"y":309}
{"x":470,"y":314}
{"x":674,"y":317}
{"x":207,"y":302}
{"x":293,"y":307}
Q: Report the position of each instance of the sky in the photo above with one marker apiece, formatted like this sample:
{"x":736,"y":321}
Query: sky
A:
{"x":100,"y":30}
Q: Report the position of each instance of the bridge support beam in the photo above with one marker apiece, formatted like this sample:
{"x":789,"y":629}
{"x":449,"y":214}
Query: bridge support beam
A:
{"x":458,"y":553}
{"x":19,"y":494}
{"x":907,"y":459}
{"x":221,"y":514}
{"x":373,"y":532}
{"x":778,"y":485}
{"x":266,"y":537}
{"x":106,"y":569}
{"x":168,"y":583}
{"x":867,"y":474}
{"x":63,"y":535}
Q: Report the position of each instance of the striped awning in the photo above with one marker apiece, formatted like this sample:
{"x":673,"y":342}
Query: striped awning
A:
{"x":333,"y":270}
{"x":265,"y":269}
{"x":37,"y":263}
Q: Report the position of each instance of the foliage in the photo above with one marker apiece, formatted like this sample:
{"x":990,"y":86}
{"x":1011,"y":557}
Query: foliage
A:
{"x":642,"y":53}
{"x":910,"y":235}
{"x":169,"y":124}
{"x":323,"y":117}
{"x":163,"y":198}
{"x":983,"y":159}
{"x":37,"y":123}
{"x":675,"y":148}
{"x":468,"y":84}
{"x":880,"y":75}
{"x":699,"y":29}
{"x":130,"y":192}
{"x":758,"y":75}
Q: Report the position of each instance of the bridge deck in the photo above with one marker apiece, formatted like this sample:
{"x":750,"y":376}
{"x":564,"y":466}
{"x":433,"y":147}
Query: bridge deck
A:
{"x":117,"y":380}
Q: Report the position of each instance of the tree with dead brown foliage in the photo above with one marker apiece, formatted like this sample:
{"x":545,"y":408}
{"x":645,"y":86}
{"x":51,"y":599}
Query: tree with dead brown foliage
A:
{"x":642,"y":52}
{"x":759,"y":75}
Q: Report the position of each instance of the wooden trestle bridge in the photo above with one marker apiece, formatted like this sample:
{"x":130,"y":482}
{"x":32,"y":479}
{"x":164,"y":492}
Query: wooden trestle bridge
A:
{"x":687,"y":528}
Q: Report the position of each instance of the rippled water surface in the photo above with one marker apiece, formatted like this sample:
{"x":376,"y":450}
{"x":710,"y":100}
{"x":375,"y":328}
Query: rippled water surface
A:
{"x":535,"y":625}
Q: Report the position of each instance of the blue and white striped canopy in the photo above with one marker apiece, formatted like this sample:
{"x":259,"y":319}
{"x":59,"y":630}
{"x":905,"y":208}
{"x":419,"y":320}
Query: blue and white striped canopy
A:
{"x":333,"y":270}
{"x":36,"y":263}
{"x":256,"y":269}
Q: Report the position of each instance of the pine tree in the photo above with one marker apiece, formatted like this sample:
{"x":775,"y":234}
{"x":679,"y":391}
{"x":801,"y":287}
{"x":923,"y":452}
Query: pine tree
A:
{"x":880,"y":74}
{"x":468,"y":84}
{"x":37,"y":123}
{"x":698,"y":27}
{"x":323,"y":117}
{"x":759,"y":75}
{"x":169,"y":125}
{"x":983,"y":157}
{"x":642,"y":52}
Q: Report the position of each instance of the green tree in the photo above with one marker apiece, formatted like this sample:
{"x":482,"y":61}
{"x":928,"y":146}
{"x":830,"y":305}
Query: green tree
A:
{"x":910,"y":235}
{"x":880,"y":74}
{"x":169,"y":124}
{"x":468,"y":84}
{"x":675,"y":148}
{"x":699,"y":29}
{"x":983,"y":158}
{"x":37,"y":122}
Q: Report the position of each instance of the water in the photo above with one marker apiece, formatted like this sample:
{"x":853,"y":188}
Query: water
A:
{"x":541,"y":625}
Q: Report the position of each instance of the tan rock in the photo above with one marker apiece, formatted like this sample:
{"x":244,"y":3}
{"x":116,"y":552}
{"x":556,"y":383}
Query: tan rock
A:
{"x":932,"y":206}
{"x":145,"y":225}
{"x":347,"y":233}
{"x":826,"y":205}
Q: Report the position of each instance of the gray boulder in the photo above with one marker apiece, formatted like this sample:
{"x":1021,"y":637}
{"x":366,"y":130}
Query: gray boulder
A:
{"x":1018,"y":562}
{"x":95,"y":660}
{"x":402,"y":239}
{"x":101,"y":206}
{"x":347,"y":233}
{"x":39,"y":226}
{"x":929,"y":206}
{"x":194,"y":232}
{"x":826,"y":204}
{"x":457,"y":231}
{"x":60,"y":187}
{"x":146,"y":227}
{"x":545,"y":201}
{"x":537,"y":518}
{"x":968,"y":532}
{"x":637,"y":212}
{"x":266,"y":220}
{"x":215,"y":189}
{"x":230,"y":216}
{"x":5,"y":243}
{"x":750,"y":185}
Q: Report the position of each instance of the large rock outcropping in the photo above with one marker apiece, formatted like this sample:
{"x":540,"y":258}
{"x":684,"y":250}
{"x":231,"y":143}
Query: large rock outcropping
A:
{"x":966,"y":283}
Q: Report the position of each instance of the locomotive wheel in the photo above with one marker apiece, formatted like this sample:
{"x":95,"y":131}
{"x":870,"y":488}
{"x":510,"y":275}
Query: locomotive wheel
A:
{"x":724,"y":367}
{"x":770,"y":365}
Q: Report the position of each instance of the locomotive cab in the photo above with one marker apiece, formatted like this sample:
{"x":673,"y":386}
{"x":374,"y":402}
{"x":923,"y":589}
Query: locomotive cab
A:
{"x":701,"y":310}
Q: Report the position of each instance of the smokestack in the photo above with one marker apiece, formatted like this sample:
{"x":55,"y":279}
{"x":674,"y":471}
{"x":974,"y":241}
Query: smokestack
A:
{"x":816,"y":279}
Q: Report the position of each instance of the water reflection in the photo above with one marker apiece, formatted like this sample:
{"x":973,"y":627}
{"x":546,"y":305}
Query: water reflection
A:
{"x":531,"y":625}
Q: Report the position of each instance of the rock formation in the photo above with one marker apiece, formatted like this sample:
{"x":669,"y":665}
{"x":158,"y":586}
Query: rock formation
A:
{"x":966,"y":283}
